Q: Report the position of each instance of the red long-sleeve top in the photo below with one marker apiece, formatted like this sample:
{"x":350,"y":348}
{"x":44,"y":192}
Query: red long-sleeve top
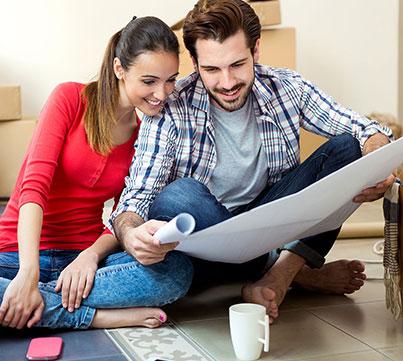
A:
{"x":63,"y":175}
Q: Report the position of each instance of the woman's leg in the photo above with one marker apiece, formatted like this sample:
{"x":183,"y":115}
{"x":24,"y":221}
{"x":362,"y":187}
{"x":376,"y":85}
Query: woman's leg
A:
{"x":121,"y":282}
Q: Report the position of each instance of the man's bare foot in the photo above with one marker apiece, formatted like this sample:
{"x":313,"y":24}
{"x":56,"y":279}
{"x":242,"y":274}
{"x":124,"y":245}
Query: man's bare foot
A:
{"x":272,"y":288}
{"x":338,"y":277}
{"x":261,"y":293}
{"x":127,"y":317}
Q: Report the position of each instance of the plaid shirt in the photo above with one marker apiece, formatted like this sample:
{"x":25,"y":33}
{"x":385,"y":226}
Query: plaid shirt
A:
{"x":179,"y":142}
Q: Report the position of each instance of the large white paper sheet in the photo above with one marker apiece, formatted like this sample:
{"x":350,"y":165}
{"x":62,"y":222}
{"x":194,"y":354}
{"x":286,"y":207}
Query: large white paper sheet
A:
{"x":322,"y":206}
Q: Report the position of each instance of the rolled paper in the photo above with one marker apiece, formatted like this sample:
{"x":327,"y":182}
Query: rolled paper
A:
{"x":176,"y":229}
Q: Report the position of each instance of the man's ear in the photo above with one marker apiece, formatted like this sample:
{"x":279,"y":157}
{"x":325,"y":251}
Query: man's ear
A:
{"x":194,"y":62}
{"x":256,"y":51}
{"x":117,"y":68}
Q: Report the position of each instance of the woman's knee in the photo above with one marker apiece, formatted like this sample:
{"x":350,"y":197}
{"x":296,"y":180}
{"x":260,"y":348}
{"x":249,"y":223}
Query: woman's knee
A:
{"x":176,"y":279}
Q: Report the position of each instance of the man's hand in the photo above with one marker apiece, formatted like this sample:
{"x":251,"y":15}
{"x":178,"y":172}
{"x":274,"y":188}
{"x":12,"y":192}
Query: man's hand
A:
{"x":22,"y":302}
{"x":373,"y":193}
{"x":137,"y":238}
{"x":141,"y":244}
{"x":77,"y":279}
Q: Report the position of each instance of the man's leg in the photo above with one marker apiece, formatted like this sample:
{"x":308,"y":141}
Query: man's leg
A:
{"x":191,"y":196}
{"x":289,"y":266}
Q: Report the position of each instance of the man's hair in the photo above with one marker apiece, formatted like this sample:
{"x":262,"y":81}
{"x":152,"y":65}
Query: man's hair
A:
{"x":218,"y":20}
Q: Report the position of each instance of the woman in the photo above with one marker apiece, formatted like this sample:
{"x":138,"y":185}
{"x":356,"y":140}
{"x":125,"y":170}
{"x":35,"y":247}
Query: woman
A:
{"x":52,"y":239}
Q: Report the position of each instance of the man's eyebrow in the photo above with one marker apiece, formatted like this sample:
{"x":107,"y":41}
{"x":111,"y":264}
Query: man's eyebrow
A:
{"x":214,"y":66}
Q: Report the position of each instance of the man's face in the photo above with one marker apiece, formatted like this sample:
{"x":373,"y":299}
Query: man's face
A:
{"x":227,"y":70}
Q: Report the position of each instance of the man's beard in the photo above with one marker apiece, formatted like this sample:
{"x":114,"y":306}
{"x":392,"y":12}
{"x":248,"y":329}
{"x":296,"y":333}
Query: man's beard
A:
{"x":231,"y":105}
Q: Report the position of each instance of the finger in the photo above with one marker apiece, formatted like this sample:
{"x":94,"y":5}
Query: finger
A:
{"x":15,"y":317}
{"x":23,"y":320}
{"x":80,"y":291}
{"x":8,"y":316}
{"x":72,"y":294}
{"x":3,"y":309}
{"x":36,"y":316}
{"x":66,"y":290}
{"x":59,"y":282}
{"x":154,"y":225}
{"x":89,"y":284}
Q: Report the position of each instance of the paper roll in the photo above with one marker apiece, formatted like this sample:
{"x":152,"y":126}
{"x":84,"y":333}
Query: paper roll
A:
{"x":361,"y":230}
{"x":176,"y":229}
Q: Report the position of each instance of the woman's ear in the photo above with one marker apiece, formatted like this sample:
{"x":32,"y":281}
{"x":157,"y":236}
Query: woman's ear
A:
{"x":117,"y":68}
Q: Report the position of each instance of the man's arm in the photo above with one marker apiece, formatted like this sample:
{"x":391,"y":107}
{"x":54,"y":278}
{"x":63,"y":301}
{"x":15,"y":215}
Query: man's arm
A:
{"x":374,"y":142}
{"x":137,"y":238}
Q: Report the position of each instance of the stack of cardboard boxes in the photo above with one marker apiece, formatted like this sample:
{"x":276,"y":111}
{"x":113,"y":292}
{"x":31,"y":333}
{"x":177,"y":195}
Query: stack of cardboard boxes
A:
{"x":15,"y":134}
{"x":277,"y":49}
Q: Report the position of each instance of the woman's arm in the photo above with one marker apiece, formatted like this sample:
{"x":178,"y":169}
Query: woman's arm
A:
{"x":22,"y":301}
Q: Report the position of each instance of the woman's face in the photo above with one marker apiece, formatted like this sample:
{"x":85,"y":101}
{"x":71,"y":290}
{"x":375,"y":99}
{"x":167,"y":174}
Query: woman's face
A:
{"x":148,"y":82}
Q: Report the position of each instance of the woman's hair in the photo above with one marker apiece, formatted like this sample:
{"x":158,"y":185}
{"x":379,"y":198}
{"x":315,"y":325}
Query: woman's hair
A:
{"x":218,"y":20}
{"x":139,"y":36}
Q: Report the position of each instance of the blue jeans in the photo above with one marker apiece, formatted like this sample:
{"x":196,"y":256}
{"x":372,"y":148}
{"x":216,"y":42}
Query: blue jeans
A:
{"x":189,"y":195}
{"x":120,"y":282}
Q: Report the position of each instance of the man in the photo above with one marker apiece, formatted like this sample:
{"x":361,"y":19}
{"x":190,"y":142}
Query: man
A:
{"x":226,"y":141}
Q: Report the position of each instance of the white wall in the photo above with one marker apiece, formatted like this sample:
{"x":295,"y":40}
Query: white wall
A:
{"x":400,"y":91}
{"x":45,"y":42}
{"x":348,"y":47}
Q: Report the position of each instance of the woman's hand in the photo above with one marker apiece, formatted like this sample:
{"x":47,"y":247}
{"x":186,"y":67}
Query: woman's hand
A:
{"x":77,"y":279}
{"x":22,"y":301}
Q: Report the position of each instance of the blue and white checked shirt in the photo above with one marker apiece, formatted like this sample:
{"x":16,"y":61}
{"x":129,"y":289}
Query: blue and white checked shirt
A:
{"x":179,"y":142}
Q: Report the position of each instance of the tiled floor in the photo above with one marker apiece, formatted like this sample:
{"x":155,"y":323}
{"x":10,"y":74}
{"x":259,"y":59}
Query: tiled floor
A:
{"x":310,"y":326}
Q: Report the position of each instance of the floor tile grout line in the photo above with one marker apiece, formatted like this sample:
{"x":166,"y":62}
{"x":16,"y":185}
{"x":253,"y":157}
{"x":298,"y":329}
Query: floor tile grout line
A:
{"x":348,"y":334}
{"x":122,"y":352}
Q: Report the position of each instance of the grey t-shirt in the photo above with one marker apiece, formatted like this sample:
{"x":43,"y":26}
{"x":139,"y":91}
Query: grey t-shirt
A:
{"x":241,"y":172}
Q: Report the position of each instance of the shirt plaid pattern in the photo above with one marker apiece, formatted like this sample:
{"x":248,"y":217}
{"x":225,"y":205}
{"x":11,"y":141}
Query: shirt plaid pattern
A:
{"x":179,"y":142}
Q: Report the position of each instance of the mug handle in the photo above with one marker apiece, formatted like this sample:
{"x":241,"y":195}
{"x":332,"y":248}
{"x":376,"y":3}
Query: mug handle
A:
{"x":265,"y":341}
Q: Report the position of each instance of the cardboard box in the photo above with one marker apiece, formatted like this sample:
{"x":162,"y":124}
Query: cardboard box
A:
{"x":10,"y":102}
{"x":277,"y":48}
{"x":309,"y":143}
{"x":268,"y":11}
{"x":14,"y":140}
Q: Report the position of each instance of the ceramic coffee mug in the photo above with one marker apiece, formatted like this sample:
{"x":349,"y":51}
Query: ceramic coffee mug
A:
{"x":249,"y":326}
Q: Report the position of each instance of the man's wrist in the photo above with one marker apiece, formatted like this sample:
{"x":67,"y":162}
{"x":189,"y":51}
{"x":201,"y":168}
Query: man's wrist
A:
{"x":124,"y":222}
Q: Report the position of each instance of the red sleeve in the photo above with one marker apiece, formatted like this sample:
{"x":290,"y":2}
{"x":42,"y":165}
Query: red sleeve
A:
{"x":43,"y":152}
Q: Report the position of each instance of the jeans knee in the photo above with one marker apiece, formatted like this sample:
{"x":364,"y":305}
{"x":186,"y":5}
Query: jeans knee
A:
{"x":178,"y":277}
{"x":179,"y":196}
{"x":348,"y":145}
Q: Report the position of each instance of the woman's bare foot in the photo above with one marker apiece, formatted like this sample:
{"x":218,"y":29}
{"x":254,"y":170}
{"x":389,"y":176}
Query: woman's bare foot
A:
{"x":127,"y":317}
{"x":338,"y":277}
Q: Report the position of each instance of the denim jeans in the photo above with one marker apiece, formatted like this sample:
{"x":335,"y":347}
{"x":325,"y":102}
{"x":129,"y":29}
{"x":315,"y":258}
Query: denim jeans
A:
{"x":189,"y":195}
{"x":120,"y":282}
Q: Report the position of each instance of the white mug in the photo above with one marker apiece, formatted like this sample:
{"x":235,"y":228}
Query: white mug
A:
{"x":249,"y":326}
